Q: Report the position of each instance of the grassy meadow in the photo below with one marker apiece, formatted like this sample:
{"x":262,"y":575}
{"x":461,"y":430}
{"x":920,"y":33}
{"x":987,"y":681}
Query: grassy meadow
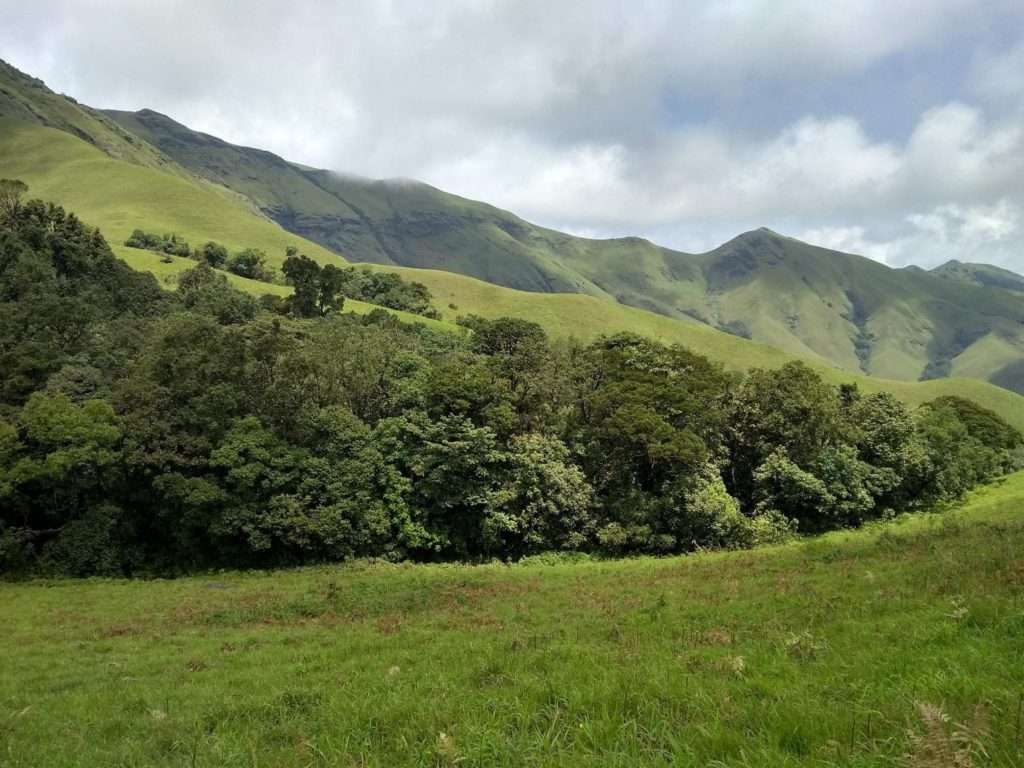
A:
{"x":900,"y":644}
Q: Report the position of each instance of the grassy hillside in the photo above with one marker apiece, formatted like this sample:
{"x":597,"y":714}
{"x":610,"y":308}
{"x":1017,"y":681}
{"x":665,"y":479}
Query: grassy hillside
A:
{"x":119,"y":197}
{"x":167,"y":272}
{"x":28,"y":100}
{"x":850,"y":649}
{"x":848,"y":310}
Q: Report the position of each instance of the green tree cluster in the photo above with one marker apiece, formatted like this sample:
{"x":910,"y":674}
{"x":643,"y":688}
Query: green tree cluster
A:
{"x":151,"y":432}
{"x":169,"y":243}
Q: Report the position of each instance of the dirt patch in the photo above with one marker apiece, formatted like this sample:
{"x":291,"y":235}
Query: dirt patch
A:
{"x":119,"y":630}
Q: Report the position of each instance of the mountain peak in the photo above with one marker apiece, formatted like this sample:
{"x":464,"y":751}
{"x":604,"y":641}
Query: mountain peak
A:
{"x":979,"y":274}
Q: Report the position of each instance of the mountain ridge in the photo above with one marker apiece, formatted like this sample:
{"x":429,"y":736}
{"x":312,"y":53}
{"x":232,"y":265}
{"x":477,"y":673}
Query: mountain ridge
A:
{"x":843,"y":309}
{"x":975,"y":273}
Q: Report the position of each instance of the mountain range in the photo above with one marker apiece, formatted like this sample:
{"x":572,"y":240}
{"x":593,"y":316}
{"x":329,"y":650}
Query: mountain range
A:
{"x":840,"y":310}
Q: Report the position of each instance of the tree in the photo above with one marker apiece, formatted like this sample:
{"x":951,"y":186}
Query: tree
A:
{"x":11,"y":193}
{"x":209,"y":292}
{"x":329,"y":283}
{"x":302,"y":273}
{"x":543,"y":502}
{"x":59,"y":469}
{"x":251,"y":263}
{"x":789,"y":409}
{"x":505,"y":336}
{"x":214,"y":254}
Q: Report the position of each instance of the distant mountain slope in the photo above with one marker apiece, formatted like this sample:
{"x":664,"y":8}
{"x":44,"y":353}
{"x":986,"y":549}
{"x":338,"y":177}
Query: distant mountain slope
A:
{"x":400,"y":222}
{"x":819,"y":304}
{"x":841,"y":308}
{"x":118,"y":195}
{"x":980,"y":274}
{"x":27,"y":99}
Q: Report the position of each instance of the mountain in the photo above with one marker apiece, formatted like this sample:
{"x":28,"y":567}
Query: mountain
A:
{"x":830,"y":308}
{"x":837,"y":307}
{"x":980,"y":274}
{"x":27,"y":99}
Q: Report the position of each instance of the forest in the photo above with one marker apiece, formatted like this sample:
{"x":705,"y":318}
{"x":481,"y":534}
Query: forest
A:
{"x":145,"y":431}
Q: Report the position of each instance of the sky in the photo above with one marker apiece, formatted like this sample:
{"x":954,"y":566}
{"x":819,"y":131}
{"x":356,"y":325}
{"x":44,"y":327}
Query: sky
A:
{"x":889,"y":128}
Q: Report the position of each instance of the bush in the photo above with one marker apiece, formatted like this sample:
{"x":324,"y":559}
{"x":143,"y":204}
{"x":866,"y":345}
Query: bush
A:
{"x":88,"y":546}
{"x":251,"y":263}
{"x":169,"y":244}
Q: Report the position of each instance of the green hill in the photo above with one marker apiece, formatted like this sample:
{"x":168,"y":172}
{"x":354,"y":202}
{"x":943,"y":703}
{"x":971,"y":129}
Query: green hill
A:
{"x":29,"y":100}
{"x":836,"y":307}
{"x":119,"y":196}
{"x":980,"y":274}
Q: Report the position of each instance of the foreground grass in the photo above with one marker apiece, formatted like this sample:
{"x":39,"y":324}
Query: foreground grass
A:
{"x":821,"y":652}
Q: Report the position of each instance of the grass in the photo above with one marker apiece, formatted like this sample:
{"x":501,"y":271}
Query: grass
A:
{"x":848,"y":649}
{"x":119,"y":197}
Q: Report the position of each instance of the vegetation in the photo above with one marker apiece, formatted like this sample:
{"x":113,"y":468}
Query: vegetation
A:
{"x":320,"y":290}
{"x":317,"y":290}
{"x":853,"y":312}
{"x":897,"y":645}
{"x":168,"y":243}
{"x":151,"y":432}
{"x":119,"y":196}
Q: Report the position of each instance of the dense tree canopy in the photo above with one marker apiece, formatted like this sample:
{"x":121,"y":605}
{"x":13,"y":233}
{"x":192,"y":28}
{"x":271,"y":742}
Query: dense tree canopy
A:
{"x":151,"y":432}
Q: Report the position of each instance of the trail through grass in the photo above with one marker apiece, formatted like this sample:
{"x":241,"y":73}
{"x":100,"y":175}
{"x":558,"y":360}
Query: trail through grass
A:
{"x":823,"y":652}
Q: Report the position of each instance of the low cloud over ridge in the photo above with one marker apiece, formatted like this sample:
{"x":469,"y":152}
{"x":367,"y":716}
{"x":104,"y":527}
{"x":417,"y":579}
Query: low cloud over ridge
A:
{"x":896,"y":132}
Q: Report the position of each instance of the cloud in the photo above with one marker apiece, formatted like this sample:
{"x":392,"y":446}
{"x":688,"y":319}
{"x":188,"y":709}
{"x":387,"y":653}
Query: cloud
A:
{"x":850,"y":240}
{"x":992,"y":233}
{"x":685,"y":122}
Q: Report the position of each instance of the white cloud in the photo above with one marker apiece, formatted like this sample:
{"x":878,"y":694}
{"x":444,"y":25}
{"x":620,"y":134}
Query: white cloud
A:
{"x":991,"y":233}
{"x":594,"y":115}
{"x":850,"y":240}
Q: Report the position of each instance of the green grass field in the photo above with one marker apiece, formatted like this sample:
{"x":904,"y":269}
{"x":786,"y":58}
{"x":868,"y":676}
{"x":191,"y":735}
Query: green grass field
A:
{"x":825,"y":651}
